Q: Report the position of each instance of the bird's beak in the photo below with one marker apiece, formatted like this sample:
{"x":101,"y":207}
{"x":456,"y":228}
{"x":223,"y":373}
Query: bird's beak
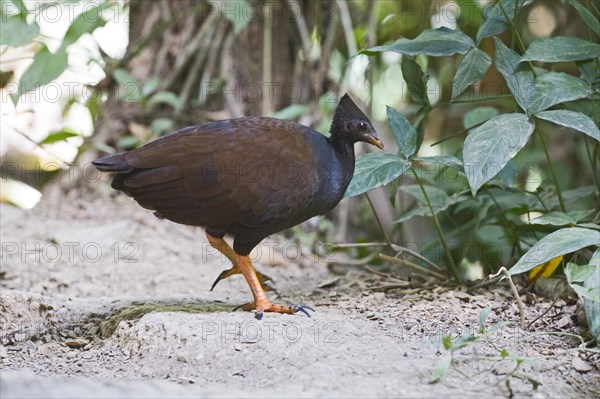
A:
{"x":374,"y":141}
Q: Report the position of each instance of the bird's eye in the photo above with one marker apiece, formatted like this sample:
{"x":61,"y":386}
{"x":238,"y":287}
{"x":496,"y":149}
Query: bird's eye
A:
{"x":362,"y":126}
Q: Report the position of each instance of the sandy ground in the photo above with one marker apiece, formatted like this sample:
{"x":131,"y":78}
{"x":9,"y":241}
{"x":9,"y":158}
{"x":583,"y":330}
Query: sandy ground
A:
{"x":101,"y":299}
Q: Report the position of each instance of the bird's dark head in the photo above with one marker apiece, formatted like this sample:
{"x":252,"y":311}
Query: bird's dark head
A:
{"x":350,"y":124}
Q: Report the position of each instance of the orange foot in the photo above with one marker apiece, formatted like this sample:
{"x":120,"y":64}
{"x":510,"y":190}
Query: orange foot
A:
{"x":266,"y":306}
{"x":243,"y":265}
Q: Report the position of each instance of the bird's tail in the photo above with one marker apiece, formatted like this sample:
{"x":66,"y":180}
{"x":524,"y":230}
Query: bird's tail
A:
{"x":113,"y":163}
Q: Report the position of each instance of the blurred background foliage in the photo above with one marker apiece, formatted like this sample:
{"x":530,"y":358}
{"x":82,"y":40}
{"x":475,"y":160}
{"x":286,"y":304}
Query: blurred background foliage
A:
{"x":84,"y":78}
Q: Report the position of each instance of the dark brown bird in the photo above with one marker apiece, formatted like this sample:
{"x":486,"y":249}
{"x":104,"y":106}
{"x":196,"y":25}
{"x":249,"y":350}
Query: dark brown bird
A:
{"x":248,"y":178}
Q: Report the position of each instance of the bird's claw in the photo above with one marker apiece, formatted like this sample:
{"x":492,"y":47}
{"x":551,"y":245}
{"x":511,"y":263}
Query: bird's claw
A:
{"x":302,"y":308}
{"x":269,"y":307}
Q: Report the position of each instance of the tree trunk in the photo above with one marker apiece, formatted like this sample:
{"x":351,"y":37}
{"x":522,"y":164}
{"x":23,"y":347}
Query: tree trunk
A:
{"x":193,"y":50}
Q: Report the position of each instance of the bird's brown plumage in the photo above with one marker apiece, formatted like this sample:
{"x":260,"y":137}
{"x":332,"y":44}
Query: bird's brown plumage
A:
{"x":248,"y":177}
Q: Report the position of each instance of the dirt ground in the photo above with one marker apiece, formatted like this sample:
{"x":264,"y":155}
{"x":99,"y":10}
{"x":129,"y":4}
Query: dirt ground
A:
{"x":101,"y":299}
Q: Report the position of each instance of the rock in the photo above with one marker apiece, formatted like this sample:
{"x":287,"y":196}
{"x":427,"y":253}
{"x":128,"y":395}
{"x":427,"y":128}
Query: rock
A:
{"x":76,"y":343}
{"x":19,"y":384}
{"x":581,"y":365}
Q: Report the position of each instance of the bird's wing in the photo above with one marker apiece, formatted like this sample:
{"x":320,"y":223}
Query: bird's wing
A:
{"x":242,"y":171}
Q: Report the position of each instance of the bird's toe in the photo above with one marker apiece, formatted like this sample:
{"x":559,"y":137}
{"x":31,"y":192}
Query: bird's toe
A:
{"x":274,"y":308}
{"x":302,"y":308}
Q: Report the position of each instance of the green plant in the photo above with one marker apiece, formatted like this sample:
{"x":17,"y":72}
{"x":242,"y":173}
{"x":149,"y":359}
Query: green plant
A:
{"x":489,"y":200}
{"x":483,"y":336}
{"x":19,"y":30}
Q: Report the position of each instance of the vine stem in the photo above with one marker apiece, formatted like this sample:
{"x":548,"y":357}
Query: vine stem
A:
{"x":504,"y":271}
{"x":386,"y":237}
{"x":267,"y":72}
{"x":561,"y":201}
{"x":413,"y":266}
{"x":399,"y":250}
{"x":515,"y":32}
{"x":451,"y":263}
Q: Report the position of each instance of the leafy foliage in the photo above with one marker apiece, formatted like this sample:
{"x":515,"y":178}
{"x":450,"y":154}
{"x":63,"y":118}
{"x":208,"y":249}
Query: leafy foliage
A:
{"x":483,"y":335}
{"x":486,"y":152}
{"x":592,"y":283}
{"x":541,"y":97}
{"x":560,"y":242}
{"x":47,"y":66}
{"x":471,"y":69}
{"x":561,"y":49}
{"x":435,"y":42}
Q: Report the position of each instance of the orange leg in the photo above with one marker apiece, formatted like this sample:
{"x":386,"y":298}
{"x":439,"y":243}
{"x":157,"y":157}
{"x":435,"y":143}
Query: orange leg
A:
{"x":244,"y":265}
{"x":221,"y":245}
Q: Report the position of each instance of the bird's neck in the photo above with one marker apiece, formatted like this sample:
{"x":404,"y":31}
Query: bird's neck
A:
{"x":344,"y":149}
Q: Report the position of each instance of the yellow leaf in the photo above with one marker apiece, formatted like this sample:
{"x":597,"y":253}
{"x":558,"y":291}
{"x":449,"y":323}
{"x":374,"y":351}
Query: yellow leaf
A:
{"x":544,"y":270}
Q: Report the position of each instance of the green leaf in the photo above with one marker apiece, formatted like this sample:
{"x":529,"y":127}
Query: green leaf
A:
{"x":556,"y":87}
{"x":561,"y":49}
{"x":437,"y":197}
{"x":150,"y":86}
{"x":489,"y":147}
{"x":519,"y":79}
{"x":130,"y":89}
{"x":560,"y":242}
{"x":589,"y":70}
{"x":555,"y":218}
{"x":589,"y":226}
{"x":45,"y":68}
{"x":437,"y":208}
{"x":586,"y":16}
{"x":20,"y":7}
{"x":591,"y":307}
{"x":123,"y":76}
{"x":422,"y":211}
{"x":571,"y":195}
{"x":416,"y":81}
{"x":165,"y":97}
{"x":17,"y":32}
{"x":237,"y":13}
{"x":161,"y":125}
{"x":86,"y":22}
{"x":494,"y":20}
{"x":444,"y":160}
{"x":478,"y":115}
{"x":471,"y":69}
{"x":440,"y":369}
{"x":472,"y":15}
{"x":573,"y":120}
{"x":128,"y":141}
{"x":292,"y":111}
{"x":467,"y":338}
{"x":374,"y":170}
{"x":404,"y":133}
{"x":578,"y":274}
{"x":435,"y":42}
{"x":595,"y":261}
{"x":447,"y":342}
{"x":587,"y":293}
{"x":59,"y":136}
{"x":483,"y":315}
